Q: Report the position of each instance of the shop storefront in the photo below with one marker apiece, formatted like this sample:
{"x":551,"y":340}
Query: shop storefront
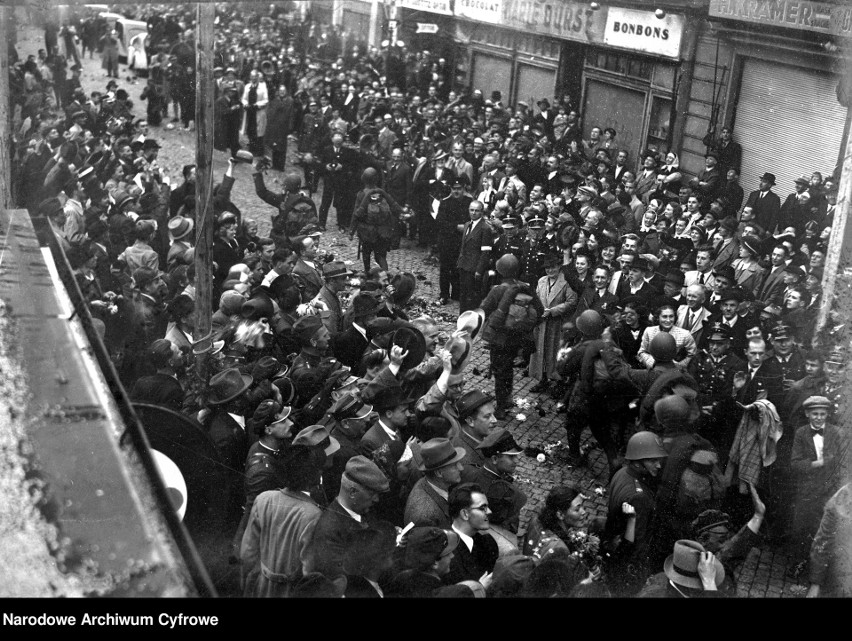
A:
{"x":427,"y":25}
{"x":618,"y":66}
{"x":777,"y":74}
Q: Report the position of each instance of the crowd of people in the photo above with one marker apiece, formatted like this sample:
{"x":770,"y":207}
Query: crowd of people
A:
{"x":673,"y":316}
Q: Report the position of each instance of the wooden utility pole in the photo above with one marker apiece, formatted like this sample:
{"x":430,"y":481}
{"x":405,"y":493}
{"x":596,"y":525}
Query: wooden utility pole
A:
{"x":5,"y":120}
{"x":204,"y":214}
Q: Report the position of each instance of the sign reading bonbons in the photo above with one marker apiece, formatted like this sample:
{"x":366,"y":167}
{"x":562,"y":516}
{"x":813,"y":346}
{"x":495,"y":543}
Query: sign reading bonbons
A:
{"x":644,"y":31}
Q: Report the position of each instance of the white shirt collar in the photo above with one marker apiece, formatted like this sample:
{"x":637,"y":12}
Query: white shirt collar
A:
{"x":360,"y":330}
{"x":392,"y":433}
{"x":241,"y":420}
{"x":354,"y":515}
{"x":468,"y":540}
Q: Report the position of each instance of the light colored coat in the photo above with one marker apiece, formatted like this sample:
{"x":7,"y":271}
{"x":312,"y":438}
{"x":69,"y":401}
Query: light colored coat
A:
{"x":561,"y":300}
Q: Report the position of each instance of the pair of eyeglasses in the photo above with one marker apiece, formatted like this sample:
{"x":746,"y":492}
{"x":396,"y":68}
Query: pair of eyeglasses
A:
{"x":484,"y":508}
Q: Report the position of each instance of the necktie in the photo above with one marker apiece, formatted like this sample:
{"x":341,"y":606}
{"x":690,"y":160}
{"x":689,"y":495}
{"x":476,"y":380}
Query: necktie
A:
{"x":701,"y":278}
{"x":816,"y":431}
{"x":687,"y":320}
{"x":752,"y":371}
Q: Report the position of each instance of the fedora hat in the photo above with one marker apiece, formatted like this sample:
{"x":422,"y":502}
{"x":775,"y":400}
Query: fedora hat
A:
{"x":180,"y":227}
{"x":439,"y":452}
{"x":770,"y":178}
{"x":802,"y":180}
{"x":228,"y":385}
{"x":334,"y":269}
{"x":459,"y":347}
{"x":682,"y":565}
{"x":499,"y":441}
{"x":471,"y":322}
{"x":412,"y":341}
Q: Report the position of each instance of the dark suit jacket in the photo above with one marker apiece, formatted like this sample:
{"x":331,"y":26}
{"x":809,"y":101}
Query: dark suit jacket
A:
{"x":824,"y":481}
{"x":373,"y":439}
{"x":469,"y":565}
{"x":425,"y":507}
{"x":646,"y":292}
{"x":771,"y":290}
{"x":398,"y":182}
{"x":590,"y":300}
{"x":310,"y":276}
{"x":349,"y":346}
{"x":765,"y":209}
{"x":158,"y":389}
{"x":178,"y":195}
{"x":768,"y":379}
{"x":476,"y":247}
{"x":328,"y":546}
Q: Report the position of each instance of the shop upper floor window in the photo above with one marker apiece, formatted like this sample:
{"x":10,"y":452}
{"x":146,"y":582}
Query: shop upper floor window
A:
{"x":623,"y":64}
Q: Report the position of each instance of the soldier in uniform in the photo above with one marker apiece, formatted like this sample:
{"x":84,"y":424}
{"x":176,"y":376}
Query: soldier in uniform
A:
{"x":533,"y":252}
{"x":311,"y":367}
{"x":494,"y":476}
{"x":511,"y":242}
{"x":450,"y":221}
{"x":787,"y":354}
{"x":630,"y":508}
{"x":476,"y":412}
{"x":714,"y":370}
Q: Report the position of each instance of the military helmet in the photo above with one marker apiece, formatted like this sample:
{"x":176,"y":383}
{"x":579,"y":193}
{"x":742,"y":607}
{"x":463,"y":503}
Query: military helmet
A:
{"x":644,"y":445}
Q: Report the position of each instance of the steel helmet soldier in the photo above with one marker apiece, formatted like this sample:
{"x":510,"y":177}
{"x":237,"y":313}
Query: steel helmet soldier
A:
{"x":631,"y":505}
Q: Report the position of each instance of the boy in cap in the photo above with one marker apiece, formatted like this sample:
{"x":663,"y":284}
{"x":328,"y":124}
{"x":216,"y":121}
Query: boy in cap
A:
{"x":818,"y":460}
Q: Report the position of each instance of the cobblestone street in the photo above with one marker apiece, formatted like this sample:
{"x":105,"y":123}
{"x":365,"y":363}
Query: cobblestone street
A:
{"x":534,"y":420}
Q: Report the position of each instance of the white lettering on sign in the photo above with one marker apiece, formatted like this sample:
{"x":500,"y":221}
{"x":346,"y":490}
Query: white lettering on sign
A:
{"x":644,"y":31}
{"x":426,"y":27}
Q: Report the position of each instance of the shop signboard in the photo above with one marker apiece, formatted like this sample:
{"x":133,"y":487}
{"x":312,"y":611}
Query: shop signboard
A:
{"x":555,"y":18}
{"x":644,"y":31}
{"x":429,"y":6}
{"x":819,"y":17}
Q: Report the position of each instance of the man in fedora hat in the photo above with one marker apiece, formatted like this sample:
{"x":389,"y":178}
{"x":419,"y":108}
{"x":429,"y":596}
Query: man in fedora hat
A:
{"x":275,"y":548}
{"x":394,"y":410}
{"x":427,"y":504}
{"x":499,"y":452}
{"x":796,"y":208}
{"x":476,"y":411}
{"x":336,"y":276}
{"x":477,"y":552}
{"x":765,"y":204}
{"x":361,"y":485}
{"x":442,"y":395}
{"x":689,"y":572}
{"x":180,"y":230}
{"x":225,"y":422}
{"x":350,"y":344}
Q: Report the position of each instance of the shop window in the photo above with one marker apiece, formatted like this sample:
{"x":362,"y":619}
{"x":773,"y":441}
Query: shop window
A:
{"x":658,"y":126}
{"x":622,"y":64}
